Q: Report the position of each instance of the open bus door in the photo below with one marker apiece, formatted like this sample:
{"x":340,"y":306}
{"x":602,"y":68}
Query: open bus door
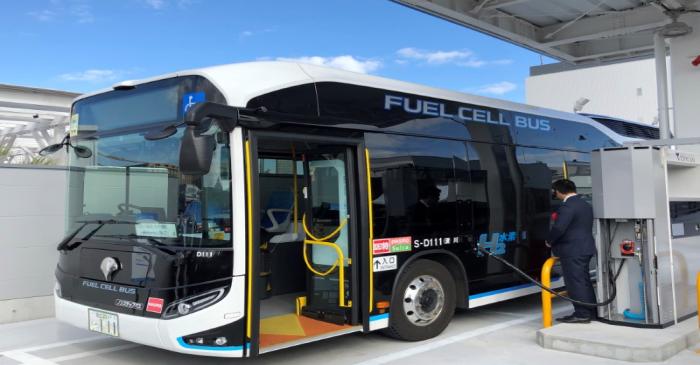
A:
{"x":307,"y":225}
{"x":326,"y":223}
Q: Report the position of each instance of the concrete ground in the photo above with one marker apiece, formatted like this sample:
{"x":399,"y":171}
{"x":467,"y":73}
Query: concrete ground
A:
{"x":503,"y":333}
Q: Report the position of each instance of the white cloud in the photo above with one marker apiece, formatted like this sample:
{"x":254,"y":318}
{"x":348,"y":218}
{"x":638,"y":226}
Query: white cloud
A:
{"x":43,"y":15}
{"x":463,"y":58}
{"x":435,"y":57}
{"x":250,"y":33}
{"x":156,"y":4}
{"x":92,"y":75}
{"x":505,"y":61}
{"x":498,"y":88}
{"x":58,"y":10}
{"x":83,"y":13}
{"x":472,"y":63}
{"x":184,"y":4}
{"x":345,"y":62}
{"x":162,"y":4}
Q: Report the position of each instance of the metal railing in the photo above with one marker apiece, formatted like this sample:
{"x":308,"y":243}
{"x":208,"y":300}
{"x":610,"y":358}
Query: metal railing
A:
{"x":546,"y":277}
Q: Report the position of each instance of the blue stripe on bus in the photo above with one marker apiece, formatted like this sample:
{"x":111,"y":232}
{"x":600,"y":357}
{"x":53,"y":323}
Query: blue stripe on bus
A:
{"x":209,"y":348}
{"x":505,"y":290}
{"x":378,"y":317}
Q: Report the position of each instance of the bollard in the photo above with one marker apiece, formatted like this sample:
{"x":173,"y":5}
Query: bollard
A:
{"x":546,"y":277}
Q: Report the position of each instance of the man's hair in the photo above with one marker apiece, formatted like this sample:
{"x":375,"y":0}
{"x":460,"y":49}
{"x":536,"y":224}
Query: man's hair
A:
{"x":564,"y":186}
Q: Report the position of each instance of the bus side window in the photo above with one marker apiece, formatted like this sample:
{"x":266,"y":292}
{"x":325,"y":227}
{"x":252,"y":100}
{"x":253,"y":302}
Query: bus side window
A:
{"x":540,"y":168}
{"x":579,"y":171}
{"x":417,"y":184}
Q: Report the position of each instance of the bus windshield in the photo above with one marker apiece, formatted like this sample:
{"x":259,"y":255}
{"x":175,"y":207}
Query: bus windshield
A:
{"x":135,"y":185}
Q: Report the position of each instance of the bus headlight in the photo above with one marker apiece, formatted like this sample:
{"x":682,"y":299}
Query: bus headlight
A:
{"x":193,"y":303}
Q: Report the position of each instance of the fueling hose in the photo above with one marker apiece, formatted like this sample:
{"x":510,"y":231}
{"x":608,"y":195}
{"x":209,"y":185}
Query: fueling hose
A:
{"x":534,"y":281}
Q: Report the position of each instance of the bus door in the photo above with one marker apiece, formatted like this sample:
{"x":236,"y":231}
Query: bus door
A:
{"x":305,"y":233}
{"x":328,"y":221}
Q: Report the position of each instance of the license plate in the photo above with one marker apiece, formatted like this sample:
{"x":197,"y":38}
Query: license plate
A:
{"x":103,"y":322}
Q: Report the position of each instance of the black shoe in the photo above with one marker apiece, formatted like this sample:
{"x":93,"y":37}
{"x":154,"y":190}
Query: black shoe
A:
{"x":574,"y":319}
{"x":565,"y":318}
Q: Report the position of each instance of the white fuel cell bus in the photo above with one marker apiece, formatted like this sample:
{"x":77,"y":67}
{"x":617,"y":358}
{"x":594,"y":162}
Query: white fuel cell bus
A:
{"x":241,"y":209}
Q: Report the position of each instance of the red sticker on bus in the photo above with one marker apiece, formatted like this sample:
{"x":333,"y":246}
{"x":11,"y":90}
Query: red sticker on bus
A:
{"x":154,"y":305}
{"x":391,"y":245}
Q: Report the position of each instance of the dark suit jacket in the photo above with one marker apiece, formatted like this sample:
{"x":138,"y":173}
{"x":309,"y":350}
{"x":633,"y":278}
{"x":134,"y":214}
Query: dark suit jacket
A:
{"x":572,"y":232}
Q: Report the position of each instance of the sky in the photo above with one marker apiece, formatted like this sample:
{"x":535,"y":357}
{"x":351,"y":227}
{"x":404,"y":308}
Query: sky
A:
{"x":81,"y":45}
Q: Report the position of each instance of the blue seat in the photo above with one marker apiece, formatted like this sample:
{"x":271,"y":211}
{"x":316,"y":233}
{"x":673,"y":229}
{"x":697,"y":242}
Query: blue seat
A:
{"x":277,"y":213}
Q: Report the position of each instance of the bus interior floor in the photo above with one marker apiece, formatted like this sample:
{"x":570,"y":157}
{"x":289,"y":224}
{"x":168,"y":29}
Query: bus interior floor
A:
{"x":292,"y":328}
{"x":280,"y":326}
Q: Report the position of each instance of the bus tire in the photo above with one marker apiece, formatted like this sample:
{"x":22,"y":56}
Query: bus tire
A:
{"x":423,"y":303}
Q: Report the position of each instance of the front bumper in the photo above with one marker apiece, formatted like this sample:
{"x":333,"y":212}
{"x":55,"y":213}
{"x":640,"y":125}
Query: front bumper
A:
{"x":167,"y":334}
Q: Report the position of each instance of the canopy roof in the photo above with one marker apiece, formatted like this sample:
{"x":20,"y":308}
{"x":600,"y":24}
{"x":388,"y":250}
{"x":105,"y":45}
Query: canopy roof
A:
{"x":31,"y":118}
{"x":575,"y":31}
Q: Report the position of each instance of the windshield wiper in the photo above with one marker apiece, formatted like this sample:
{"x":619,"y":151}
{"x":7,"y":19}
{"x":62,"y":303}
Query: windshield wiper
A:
{"x":68,"y":238}
{"x":131,"y":235}
{"x":101,"y":223}
{"x":153,"y":242}
{"x":64,"y":243}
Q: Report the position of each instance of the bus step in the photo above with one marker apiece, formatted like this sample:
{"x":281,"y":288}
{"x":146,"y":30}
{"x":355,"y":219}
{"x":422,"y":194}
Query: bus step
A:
{"x":337,"y":316}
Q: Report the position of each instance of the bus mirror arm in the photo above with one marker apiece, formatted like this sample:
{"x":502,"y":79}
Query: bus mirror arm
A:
{"x":226,"y":116}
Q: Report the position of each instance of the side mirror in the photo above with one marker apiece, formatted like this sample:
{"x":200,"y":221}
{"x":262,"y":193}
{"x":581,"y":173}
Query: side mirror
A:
{"x":196,"y":149}
{"x":196,"y":152}
{"x":48,"y":150}
{"x":82,"y":151}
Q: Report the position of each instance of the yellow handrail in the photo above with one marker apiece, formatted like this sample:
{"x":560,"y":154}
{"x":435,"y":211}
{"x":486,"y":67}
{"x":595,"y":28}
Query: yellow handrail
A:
{"x":341,"y":272}
{"x":339,"y":262}
{"x":249,"y":203}
{"x":325,"y":238}
{"x":308,"y":264}
{"x":371,"y":231}
{"x":546,"y":276}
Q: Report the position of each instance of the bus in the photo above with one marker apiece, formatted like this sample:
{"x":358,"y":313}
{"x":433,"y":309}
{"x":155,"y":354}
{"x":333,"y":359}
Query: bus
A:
{"x":240,"y":209}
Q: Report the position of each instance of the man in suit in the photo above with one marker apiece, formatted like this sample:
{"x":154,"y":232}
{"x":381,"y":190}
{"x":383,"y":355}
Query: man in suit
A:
{"x":571,"y":239}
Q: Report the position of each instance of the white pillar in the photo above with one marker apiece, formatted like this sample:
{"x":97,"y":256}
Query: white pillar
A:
{"x":661,"y":85}
{"x":685,"y":81}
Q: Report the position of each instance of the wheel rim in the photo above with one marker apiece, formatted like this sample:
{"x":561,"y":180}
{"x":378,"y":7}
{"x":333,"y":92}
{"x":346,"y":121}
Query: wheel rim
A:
{"x":423,"y":300}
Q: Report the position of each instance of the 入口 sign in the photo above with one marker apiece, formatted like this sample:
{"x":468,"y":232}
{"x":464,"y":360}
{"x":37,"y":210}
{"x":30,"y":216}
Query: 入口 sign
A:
{"x":384,"y":263}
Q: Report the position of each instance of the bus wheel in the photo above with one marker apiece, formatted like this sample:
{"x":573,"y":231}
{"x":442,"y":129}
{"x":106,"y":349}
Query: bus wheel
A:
{"x":423,"y":303}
